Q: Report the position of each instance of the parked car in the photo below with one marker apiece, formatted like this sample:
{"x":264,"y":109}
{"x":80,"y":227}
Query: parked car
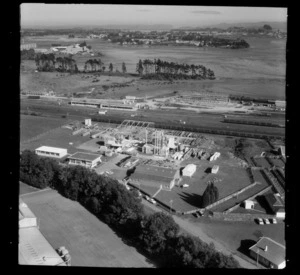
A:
{"x":260,"y":221}
{"x":274,"y":221}
{"x":195,"y":215}
{"x":152,"y":201}
{"x":266,"y":221}
{"x":184,"y":185}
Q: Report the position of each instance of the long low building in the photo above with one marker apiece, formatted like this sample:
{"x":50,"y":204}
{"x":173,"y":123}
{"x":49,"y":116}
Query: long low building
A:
{"x":34,"y":249}
{"x":88,"y":160}
{"x":47,"y":151}
{"x":105,"y":104}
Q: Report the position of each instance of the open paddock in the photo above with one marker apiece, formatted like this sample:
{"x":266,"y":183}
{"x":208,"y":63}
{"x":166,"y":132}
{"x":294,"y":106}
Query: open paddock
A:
{"x":60,"y":138}
{"x":90,"y":242}
{"x":32,"y":126}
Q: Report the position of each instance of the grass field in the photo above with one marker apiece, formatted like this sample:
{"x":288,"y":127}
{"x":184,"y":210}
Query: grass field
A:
{"x":31,"y":126}
{"x":90,"y":242}
{"x":57,"y":138}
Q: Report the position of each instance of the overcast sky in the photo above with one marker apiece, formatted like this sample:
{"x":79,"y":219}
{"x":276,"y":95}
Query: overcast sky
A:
{"x":76,"y":15}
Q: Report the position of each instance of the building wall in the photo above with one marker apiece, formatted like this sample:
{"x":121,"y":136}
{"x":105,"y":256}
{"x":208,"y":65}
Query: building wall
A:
{"x":89,"y":164}
{"x":50,"y":154}
{"x":261,"y":259}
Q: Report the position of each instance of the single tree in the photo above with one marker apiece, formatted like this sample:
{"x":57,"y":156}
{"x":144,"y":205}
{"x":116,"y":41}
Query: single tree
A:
{"x":111,"y":67}
{"x":123,"y":68}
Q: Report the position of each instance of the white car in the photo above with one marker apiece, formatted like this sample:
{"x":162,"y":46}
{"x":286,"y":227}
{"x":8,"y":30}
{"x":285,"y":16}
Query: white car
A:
{"x":152,"y":201}
{"x":274,"y":221}
{"x":185,"y":185}
{"x":266,"y":221}
{"x":260,"y":221}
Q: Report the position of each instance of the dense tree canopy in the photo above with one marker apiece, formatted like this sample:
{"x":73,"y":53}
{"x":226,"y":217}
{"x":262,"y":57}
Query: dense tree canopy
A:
{"x":159,"y":69}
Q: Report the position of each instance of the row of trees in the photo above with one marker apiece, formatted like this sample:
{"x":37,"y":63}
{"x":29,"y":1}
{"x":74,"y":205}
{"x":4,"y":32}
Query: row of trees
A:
{"x":48,"y":63}
{"x":159,"y":67}
{"x":94,"y":65}
{"x":157,"y":234}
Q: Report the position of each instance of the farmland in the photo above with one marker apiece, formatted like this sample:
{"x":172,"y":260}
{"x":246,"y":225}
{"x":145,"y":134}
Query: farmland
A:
{"x":32,"y":126}
{"x":89,"y":241}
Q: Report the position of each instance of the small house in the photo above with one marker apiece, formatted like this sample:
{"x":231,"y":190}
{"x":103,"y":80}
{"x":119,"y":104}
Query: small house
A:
{"x":215,"y":169}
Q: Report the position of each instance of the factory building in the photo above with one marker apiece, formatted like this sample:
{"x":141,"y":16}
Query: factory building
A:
{"x":155,"y":176}
{"x":34,"y":249}
{"x":85,"y":159}
{"x":47,"y":151}
{"x":269,"y":253}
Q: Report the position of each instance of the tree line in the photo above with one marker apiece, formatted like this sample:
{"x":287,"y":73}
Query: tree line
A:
{"x":156,"y":234}
{"x":158,"y":68}
{"x":48,"y":63}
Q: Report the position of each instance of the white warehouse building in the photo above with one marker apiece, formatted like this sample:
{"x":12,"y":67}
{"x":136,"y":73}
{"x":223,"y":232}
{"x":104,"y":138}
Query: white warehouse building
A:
{"x":189,"y":170}
{"x":47,"y":151}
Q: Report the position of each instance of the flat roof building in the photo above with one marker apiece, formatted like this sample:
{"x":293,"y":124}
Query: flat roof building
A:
{"x":34,"y":249}
{"x":88,"y":160}
{"x":47,"y":151}
{"x":154,"y":176}
{"x":269,"y":253}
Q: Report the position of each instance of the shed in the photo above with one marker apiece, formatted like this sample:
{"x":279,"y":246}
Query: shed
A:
{"x":189,"y":170}
{"x":215,"y":169}
{"x":249,"y":204}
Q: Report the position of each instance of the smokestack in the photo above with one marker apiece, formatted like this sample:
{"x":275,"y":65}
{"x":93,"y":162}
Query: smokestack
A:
{"x":266,"y":248}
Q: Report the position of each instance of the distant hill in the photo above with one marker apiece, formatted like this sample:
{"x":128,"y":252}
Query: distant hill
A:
{"x":282,"y":26}
{"x":275,"y":25}
{"x":158,"y":27}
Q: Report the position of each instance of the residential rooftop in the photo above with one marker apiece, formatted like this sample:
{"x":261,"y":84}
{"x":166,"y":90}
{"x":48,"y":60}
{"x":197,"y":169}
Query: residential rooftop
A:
{"x":275,"y":252}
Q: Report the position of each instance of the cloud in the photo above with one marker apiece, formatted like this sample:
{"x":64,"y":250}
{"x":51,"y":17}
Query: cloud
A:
{"x":144,"y":10}
{"x":206,"y":12}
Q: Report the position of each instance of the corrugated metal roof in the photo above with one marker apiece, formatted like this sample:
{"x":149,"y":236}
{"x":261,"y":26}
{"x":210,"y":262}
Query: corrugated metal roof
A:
{"x":275,"y":252}
{"x":34,"y":249}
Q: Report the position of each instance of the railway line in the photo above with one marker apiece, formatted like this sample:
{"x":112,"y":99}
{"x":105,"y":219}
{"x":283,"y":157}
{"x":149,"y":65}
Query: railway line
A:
{"x":202,"y":123}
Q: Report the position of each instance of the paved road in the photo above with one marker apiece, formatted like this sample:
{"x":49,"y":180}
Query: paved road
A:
{"x":196,"y":231}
